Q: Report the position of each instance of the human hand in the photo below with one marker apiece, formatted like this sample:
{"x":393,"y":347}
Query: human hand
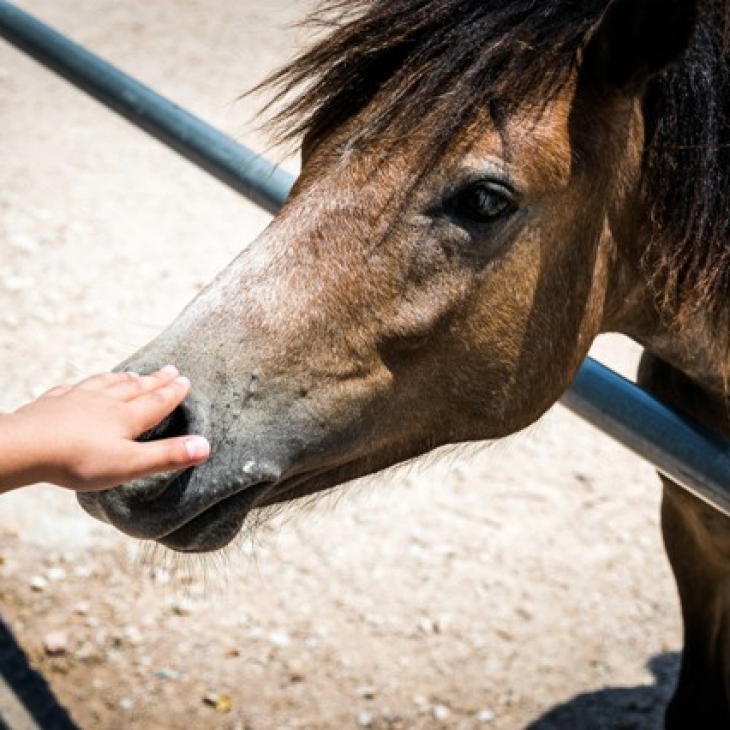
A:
{"x":83,"y":436}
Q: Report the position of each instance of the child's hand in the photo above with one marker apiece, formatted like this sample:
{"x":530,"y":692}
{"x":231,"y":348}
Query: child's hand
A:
{"x":83,"y":436}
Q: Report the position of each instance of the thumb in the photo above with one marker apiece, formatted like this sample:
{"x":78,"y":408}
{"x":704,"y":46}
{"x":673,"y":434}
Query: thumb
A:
{"x":171,"y":454}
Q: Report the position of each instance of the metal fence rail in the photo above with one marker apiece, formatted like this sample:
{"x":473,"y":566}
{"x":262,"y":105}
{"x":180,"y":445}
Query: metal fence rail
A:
{"x":678,"y":448}
{"x":240,"y":168}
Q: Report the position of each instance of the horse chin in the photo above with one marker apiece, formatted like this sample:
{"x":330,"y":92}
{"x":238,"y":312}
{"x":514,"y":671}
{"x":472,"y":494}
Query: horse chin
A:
{"x":212,"y":530}
{"x":219,"y":525}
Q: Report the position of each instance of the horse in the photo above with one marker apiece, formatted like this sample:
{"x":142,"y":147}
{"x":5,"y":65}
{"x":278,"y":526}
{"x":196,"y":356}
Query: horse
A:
{"x":486,"y":186}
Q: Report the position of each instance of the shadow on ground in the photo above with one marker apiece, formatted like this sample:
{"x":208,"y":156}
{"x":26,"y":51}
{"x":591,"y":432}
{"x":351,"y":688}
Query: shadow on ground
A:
{"x":618,"y":708}
{"x":26,"y":700}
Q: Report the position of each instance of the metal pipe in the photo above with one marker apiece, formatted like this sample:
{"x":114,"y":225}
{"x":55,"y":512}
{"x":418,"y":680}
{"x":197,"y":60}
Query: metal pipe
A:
{"x":679,"y":448}
{"x":240,"y":168}
{"x":688,"y":454}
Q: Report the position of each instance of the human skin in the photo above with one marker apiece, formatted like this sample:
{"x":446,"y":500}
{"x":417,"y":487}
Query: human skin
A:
{"x":83,"y":436}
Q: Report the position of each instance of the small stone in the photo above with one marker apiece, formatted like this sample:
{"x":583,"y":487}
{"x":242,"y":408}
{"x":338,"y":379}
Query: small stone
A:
{"x":60,"y":665}
{"x":485,"y":716}
{"x":296,"y":671}
{"x":280,"y":639}
{"x":133,"y":635}
{"x":55,"y":644}
{"x":56,"y":574}
{"x":219,"y":702}
{"x":365,"y":719}
{"x":82,"y":608}
{"x":87,"y":652}
{"x":168,"y":674}
{"x":367,"y":692}
{"x":441,"y":713}
{"x":182,"y":607}
{"x":38,"y":583}
{"x":429,"y":626}
{"x":126,"y":703}
{"x":421,"y":701}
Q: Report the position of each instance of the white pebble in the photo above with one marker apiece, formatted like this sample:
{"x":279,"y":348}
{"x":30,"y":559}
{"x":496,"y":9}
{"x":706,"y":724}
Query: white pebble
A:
{"x":38,"y":583}
{"x":55,"y":643}
{"x":56,"y":574}
{"x":279,"y":638}
{"x":441,"y":713}
{"x":485,"y":716}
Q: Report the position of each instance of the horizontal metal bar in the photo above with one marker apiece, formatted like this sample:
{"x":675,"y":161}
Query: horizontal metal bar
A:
{"x":678,"y":447}
{"x":681,"y":450}
{"x":238,"y":167}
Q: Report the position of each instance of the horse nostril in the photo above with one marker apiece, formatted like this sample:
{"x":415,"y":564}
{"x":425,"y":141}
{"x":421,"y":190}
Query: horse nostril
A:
{"x":147,"y":489}
{"x":176,"y":424}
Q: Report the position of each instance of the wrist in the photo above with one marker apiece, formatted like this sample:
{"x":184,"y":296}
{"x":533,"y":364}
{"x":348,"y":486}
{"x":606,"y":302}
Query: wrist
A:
{"x":24,"y":457}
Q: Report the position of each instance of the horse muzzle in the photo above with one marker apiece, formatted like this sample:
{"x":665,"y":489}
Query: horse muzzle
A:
{"x":199,"y":509}
{"x":187,"y":511}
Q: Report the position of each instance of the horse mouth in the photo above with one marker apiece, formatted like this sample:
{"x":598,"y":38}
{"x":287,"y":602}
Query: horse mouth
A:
{"x":215,"y":528}
{"x":156,"y":511}
{"x":183,"y":514}
{"x":219,"y":525}
{"x":152,"y":511}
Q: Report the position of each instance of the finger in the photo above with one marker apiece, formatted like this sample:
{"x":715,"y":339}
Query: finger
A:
{"x":105,"y":380}
{"x":137,"y":385}
{"x":150,"y":408}
{"x":172,"y":454}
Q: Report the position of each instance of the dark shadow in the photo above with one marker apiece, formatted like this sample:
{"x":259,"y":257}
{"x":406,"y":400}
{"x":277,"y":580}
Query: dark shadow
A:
{"x":29,"y":688}
{"x":618,"y":708}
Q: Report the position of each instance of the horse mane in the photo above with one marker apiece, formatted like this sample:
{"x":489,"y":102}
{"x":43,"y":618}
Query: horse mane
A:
{"x":450,"y":58}
{"x":686,"y":180}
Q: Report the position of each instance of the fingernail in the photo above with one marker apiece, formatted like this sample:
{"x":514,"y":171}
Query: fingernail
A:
{"x":197,"y":448}
{"x":182,"y":380}
{"x":169,"y":370}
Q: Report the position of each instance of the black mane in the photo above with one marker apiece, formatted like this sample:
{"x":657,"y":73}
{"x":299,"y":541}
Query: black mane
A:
{"x":439,"y":61}
{"x":444,"y":58}
{"x":686,"y":182}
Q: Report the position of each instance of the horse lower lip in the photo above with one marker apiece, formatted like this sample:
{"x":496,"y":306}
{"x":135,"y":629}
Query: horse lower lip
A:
{"x":217,"y":526}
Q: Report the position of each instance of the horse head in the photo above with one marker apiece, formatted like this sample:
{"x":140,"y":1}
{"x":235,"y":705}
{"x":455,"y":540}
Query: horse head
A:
{"x":467,"y":219}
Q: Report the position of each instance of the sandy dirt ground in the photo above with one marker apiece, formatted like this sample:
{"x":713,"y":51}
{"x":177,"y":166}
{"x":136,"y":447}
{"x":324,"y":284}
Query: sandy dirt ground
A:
{"x":520,"y":586}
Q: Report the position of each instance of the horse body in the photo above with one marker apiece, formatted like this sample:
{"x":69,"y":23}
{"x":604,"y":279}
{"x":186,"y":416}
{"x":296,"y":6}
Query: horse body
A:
{"x":470,"y":215}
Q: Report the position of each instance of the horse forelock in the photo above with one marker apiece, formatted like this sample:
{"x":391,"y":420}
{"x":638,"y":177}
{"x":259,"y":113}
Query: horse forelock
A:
{"x":405,"y":65}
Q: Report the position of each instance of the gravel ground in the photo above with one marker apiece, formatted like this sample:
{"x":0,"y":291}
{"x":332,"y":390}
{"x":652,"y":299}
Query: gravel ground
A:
{"x":518,"y":586}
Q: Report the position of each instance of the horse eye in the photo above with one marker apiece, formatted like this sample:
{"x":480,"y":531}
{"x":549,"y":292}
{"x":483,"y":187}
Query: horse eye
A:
{"x":483,"y":202}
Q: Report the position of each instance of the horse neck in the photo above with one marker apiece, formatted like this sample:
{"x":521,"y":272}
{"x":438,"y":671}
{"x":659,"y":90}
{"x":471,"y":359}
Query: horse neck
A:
{"x":694,"y":350}
{"x":696,"y":344}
